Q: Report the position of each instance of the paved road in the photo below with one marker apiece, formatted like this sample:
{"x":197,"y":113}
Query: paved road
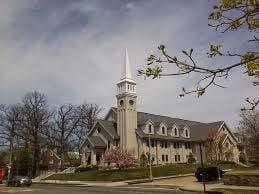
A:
{"x":60,"y":189}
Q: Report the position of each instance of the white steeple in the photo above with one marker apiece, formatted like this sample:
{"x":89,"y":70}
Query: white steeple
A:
{"x":126,"y":85}
{"x":126,"y":72}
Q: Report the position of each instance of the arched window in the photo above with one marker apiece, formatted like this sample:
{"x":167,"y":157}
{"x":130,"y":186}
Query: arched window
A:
{"x":186,"y":133}
{"x":175,"y":132}
{"x":150,"y":128}
{"x":163,"y":130}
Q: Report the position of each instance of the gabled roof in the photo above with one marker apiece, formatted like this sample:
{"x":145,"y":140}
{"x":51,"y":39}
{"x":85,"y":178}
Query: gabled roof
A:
{"x":143,"y":117}
{"x":157,"y":119}
{"x":109,"y":127}
{"x":200,"y":131}
{"x":96,"y":142}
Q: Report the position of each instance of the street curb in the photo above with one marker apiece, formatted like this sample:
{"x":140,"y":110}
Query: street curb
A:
{"x":84,"y":183}
{"x":212,"y":190}
{"x":107,"y":184}
{"x":190,"y":190}
{"x":137,"y":181}
{"x":64,"y":184}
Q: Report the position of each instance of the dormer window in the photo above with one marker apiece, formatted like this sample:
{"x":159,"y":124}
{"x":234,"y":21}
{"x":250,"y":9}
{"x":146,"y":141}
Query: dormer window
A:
{"x":163,"y":130}
{"x":175,"y":131}
{"x":186,"y":132}
{"x":149,"y":128}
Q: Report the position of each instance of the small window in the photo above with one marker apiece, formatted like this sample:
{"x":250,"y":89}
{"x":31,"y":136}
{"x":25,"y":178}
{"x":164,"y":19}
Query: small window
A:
{"x":179,"y":158}
{"x":163,"y":157}
{"x":51,"y":162}
{"x":131,"y":102}
{"x":166,"y":158}
{"x":109,"y":144}
{"x":99,"y":130}
{"x":150,"y":128}
{"x":186,"y":133}
{"x":152,"y":143}
{"x":147,"y":143}
{"x":187,"y":145}
{"x":175,"y":132}
{"x":163,"y":130}
{"x":51,"y":153}
{"x":175,"y":158}
{"x":176,"y":145}
{"x":165,"y":144}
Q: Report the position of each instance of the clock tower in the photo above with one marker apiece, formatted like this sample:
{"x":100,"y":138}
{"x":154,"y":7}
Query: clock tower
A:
{"x":126,"y":110}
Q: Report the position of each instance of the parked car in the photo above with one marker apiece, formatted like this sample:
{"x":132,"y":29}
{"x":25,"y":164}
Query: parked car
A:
{"x":208,"y":174}
{"x":18,"y":181}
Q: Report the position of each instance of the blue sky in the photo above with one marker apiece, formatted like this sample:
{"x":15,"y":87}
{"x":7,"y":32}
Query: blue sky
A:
{"x":73,"y":52}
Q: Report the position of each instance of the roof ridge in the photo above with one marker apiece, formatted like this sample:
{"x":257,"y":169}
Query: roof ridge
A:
{"x":215,"y":122}
{"x":197,"y":122}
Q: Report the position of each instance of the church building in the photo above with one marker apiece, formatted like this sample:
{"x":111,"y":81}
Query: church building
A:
{"x":171,"y":139}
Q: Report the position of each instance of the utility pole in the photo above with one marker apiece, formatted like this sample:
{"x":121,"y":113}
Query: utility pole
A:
{"x":150,"y":160}
{"x":202,"y":167}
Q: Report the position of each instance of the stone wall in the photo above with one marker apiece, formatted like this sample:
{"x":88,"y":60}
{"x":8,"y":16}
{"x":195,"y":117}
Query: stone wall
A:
{"x":241,"y":180}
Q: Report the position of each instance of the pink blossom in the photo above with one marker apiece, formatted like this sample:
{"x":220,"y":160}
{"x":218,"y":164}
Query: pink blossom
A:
{"x":121,"y":159}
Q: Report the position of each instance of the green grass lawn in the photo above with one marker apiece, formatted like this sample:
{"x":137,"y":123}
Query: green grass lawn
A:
{"x":134,"y":173}
{"x":245,"y":171}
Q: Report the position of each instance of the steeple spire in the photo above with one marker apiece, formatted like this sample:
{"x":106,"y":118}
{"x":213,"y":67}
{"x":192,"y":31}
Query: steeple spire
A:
{"x":126,"y":72}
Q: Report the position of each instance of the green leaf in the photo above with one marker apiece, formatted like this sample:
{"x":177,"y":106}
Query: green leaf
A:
{"x":161,"y":47}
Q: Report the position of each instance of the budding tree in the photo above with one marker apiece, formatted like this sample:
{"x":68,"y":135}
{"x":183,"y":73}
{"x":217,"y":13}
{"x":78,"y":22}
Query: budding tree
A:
{"x":227,"y":15}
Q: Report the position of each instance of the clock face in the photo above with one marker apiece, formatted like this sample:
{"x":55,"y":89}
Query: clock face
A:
{"x":131,"y":102}
{"x":121,"y":102}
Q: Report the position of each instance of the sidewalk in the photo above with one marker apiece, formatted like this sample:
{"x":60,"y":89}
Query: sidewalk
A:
{"x":84,"y":183}
{"x":190,"y":184}
{"x":210,"y":187}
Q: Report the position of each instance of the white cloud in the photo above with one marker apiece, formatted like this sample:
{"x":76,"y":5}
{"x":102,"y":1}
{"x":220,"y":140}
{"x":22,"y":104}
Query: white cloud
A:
{"x":74,"y":53}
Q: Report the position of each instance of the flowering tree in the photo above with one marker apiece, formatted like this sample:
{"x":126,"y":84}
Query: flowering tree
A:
{"x":120,"y":158}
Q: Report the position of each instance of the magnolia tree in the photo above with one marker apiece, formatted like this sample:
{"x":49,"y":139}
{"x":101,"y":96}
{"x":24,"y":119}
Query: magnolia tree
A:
{"x":120,"y":158}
